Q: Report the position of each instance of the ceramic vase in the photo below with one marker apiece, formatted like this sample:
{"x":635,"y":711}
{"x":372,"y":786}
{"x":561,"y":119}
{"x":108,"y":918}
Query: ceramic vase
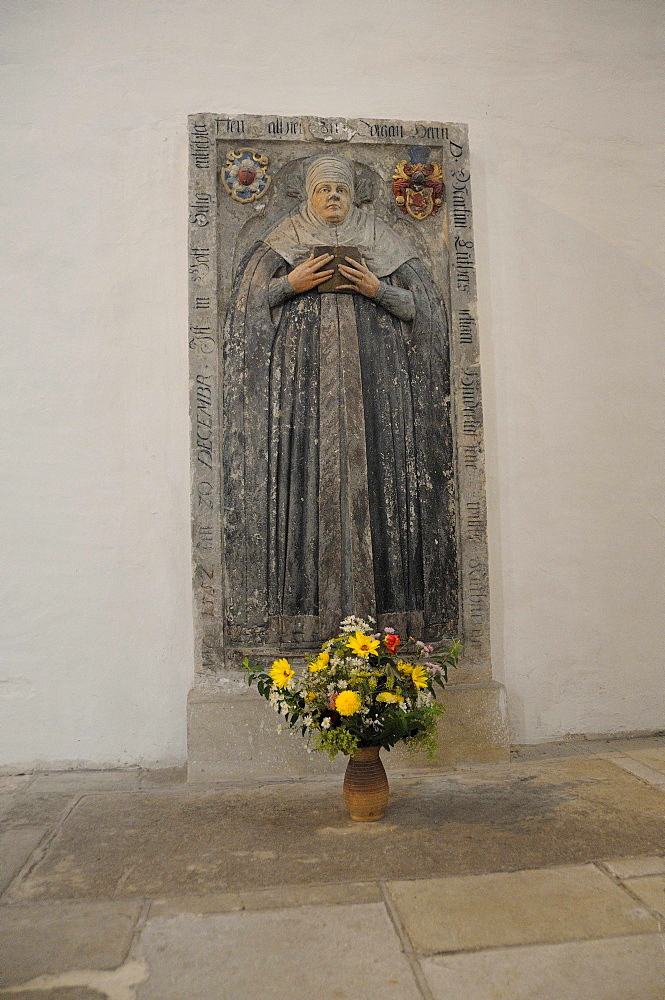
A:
{"x":366,"y":788}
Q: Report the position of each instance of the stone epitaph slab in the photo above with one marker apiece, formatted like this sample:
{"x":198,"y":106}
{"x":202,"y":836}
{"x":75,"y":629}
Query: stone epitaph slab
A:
{"x":336,"y":438}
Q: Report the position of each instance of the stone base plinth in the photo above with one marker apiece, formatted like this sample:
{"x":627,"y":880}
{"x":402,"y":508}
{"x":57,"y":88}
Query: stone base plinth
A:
{"x":232,"y":735}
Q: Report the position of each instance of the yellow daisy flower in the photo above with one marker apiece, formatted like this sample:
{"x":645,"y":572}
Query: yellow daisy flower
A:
{"x":362,"y":645}
{"x":281,"y":672}
{"x":405,"y":668}
{"x":320,"y":663}
{"x":389,"y":698}
{"x":419,"y":677}
{"x":310,"y":696}
{"x":347,"y":703}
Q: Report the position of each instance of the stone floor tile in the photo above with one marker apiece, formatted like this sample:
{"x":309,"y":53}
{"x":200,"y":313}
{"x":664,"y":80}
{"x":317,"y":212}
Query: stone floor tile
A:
{"x":10,"y":786}
{"x":511,"y":908}
{"x":651,"y":890}
{"x":35,"y":808}
{"x":16,"y":846}
{"x":214,"y":902}
{"x":654,"y":757}
{"x":57,"y":937}
{"x":309,"y":895}
{"x":177,"y":840}
{"x":631,"y":867}
{"x":610,"y":969}
{"x":647,"y":772}
{"x":312,"y":953}
{"x":81,"y":782}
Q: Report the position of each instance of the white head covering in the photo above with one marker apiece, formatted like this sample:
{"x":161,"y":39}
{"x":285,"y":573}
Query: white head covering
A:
{"x":295,"y":236}
{"x":329,"y":168}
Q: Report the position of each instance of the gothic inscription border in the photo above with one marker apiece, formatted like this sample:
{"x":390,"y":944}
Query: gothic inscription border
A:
{"x":209,"y":132}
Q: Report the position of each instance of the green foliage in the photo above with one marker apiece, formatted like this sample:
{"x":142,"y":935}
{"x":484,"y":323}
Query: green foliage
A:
{"x":334,"y":741}
{"x":390,"y":688}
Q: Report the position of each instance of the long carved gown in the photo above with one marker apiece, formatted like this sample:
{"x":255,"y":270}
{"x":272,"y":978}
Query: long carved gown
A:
{"x":337,"y":457}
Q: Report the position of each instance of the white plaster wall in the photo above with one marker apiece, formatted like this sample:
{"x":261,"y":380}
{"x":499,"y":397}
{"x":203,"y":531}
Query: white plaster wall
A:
{"x":562,"y":98}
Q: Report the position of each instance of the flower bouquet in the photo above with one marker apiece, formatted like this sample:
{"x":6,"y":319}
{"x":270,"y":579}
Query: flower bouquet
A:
{"x":364,"y":690}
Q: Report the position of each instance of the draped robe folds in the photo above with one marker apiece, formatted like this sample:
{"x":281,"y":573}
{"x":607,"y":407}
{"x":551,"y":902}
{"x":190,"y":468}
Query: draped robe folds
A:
{"x":337,"y":460}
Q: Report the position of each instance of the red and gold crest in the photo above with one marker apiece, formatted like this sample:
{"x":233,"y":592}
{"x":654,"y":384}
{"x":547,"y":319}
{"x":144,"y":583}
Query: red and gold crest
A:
{"x":418,"y":188}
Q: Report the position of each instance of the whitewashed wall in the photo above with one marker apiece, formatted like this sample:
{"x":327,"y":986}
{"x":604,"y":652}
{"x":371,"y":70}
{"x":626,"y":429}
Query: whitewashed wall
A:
{"x":562,"y":101}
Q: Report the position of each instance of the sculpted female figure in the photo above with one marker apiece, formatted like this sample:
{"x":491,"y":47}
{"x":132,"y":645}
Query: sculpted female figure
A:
{"x":337,"y":441}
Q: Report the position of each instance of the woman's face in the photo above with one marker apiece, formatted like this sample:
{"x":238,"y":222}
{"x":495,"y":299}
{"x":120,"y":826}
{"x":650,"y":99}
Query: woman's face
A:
{"x":332,"y":200}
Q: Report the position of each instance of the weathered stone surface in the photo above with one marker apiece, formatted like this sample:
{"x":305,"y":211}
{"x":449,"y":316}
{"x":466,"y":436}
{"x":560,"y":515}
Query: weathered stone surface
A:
{"x":612,"y":969}
{"x":16,"y":846}
{"x":653,"y":757}
{"x":650,"y":889}
{"x":234,"y":735}
{"x":606,"y":746}
{"x":510,"y":908}
{"x":36,"y":809}
{"x":313,"y":953}
{"x":639,"y":769}
{"x":390,"y":510}
{"x":48,"y":939}
{"x":205,"y":840}
{"x":59,"y":993}
{"x":280,"y":897}
{"x":10,"y":787}
{"x":630,"y":867}
{"x":163,"y":776}
{"x":82,"y":782}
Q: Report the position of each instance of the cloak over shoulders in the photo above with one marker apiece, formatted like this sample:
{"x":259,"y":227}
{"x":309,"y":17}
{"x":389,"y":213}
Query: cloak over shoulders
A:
{"x":272,"y":451}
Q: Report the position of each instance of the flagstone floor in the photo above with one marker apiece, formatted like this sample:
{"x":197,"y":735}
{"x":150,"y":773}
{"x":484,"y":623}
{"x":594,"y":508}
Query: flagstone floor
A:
{"x":538,"y":879}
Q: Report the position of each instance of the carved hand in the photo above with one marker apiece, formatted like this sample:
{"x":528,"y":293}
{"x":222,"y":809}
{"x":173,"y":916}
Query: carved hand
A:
{"x":363,"y":280}
{"x":308,"y":275}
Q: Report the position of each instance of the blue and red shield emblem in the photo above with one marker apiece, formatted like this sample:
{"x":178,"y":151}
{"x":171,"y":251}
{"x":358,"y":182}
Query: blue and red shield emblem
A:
{"x":245,"y":175}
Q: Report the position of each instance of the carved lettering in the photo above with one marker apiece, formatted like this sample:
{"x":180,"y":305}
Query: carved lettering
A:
{"x":202,"y":338}
{"x":202,"y":302}
{"x":208,"y":647}
{"x":465,"y":263}
{"x":331,"y":129}
{"x":204,"y":491}
{"x":377,"y":130}
{"x":205,"y":540}
{"x":280,"y":126}
{"x":474,"y":636}
{"x":471,"y":454}
{"x":204,"y":421}
{"x":200,"y":145}
{"x":467,"y":326}
{"x":231,"y":126}
{"x":208,"y":591}
{"x":475,"y":521}
{"x":461,"y":194}
{"x":430,"y":132}
{"x":199,"y":212}
{"x":471,"y":416}
{"x":455,"y":149}
{"x":199,"y":263}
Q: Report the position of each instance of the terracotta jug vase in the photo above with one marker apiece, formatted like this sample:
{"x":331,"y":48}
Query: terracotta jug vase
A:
{"x":366,"y":788}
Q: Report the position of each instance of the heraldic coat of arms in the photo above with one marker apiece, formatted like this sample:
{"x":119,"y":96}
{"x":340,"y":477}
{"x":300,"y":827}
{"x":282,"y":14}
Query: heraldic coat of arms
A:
{"x":245,"y":175}
{"x":418,"y":188}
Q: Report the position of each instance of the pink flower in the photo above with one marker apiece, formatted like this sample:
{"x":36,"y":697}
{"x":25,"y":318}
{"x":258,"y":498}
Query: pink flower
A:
{"x":389,"y":631}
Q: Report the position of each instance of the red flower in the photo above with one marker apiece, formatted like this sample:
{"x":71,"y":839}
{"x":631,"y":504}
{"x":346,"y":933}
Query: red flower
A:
{"x":392,"y":642}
